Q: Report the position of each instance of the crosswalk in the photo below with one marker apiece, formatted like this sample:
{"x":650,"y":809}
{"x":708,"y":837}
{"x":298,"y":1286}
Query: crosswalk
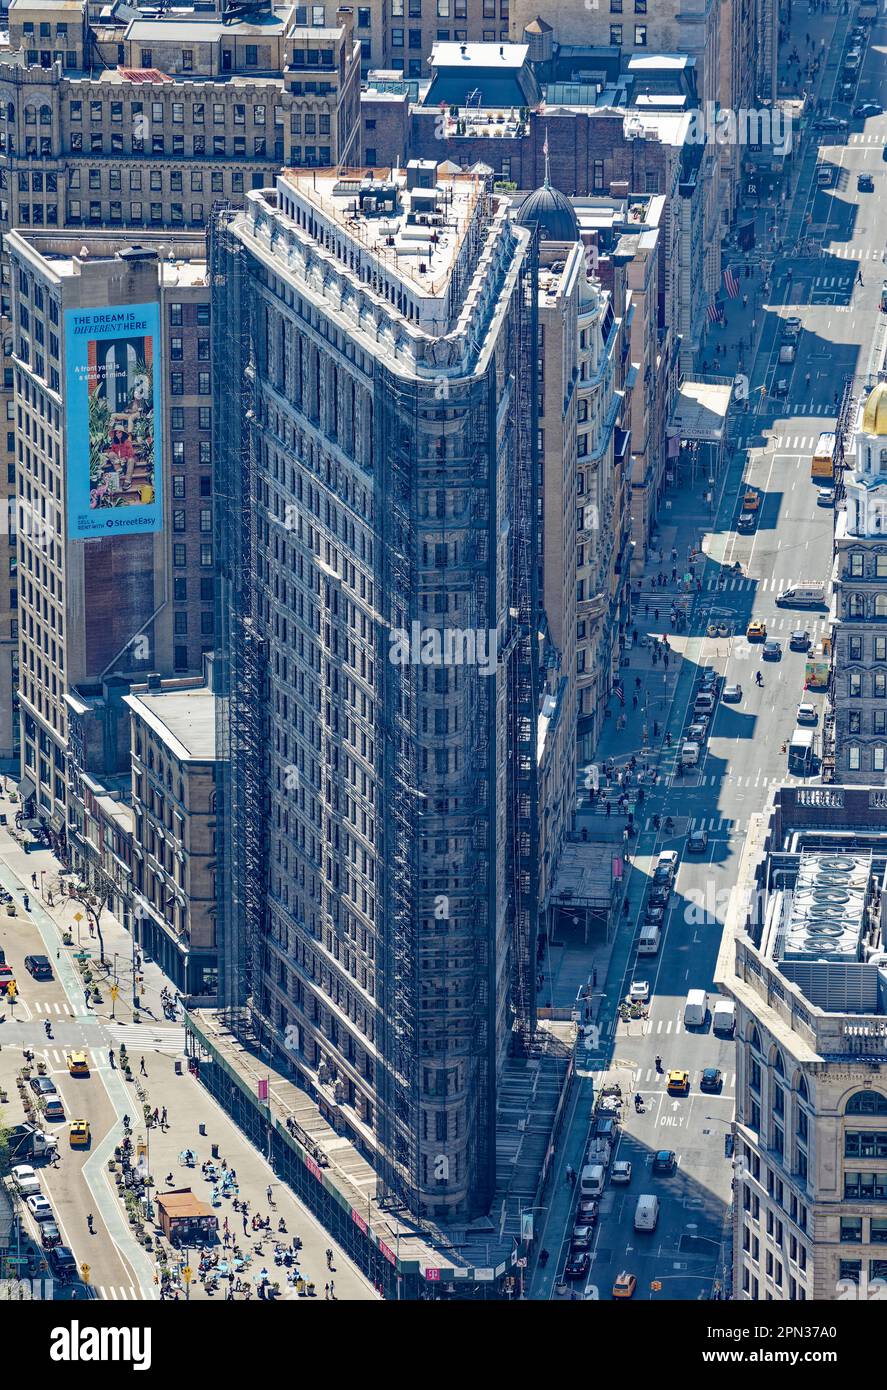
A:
{"x":855,"y":253}
{"x":865,"y":137}
{"x":798,"y":443}
{"x":721,"y":779}
{"x":652,"y":1078}
{"x":833,"y":282}
{"x":125,"y":1293}
{"x":52,"y":1009}
{"x":56,"y":1058}
{"x":764,"y":584}
{"x":159,"y":1036}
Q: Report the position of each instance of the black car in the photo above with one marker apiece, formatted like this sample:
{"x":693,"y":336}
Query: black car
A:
{"x":62,"y":1262}
{"x":712,"y":1079}
{"x":43,"y":1086}
{"x":867,"y":108}
{"x":587,"y":1211}
{"x":660,"y":894}
{"x":865,"y":183}
{"x":800,"y":640}
{"x":577,"y":1265}
{"x":39,"y":967}
{"x":654,"y":914}
{"x":50,"y":1235}
{"x":665,"y":1161}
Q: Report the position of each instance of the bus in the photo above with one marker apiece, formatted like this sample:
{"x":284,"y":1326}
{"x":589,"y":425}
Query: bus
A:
{"x":823,"y":465}
{"x":800,"y":752}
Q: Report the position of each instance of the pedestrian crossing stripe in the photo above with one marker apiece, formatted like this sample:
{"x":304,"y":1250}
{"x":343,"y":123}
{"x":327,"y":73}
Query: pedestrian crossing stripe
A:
{"x":124,"y":1293}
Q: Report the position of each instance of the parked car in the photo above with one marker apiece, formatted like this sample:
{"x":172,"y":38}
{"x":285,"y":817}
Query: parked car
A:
{"x":666,"y":866}
{"x":39,"y":967}
{"x":25,"y":1179}
{"x":62,"y":1263}
{"x":53,"y":1109}
{"x":697,"y":842}
{"x":577,"y":1265}
{"x":654,"y":914}
{"x":747,"y":521}
{"x":40,"y":1208}
{"x":639,"y":992}
{"x":660,"y":894}
{"x":621,"y":1171}
{"x":582,"y":1237}
{"x":825,"y":497}
{"x":732,"y":692}
{"x":50,"y":1235}
{"x":807,"y":713}
{"x":587,"y":1211}
{"x":43,"y":1086}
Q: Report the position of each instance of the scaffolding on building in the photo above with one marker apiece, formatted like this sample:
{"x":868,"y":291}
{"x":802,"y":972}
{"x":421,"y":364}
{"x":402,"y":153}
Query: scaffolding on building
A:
{"x":241,"y":798}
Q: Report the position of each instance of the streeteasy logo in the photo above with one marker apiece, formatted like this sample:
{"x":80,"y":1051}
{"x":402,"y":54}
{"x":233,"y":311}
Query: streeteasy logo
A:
{"x":76,"y":1343}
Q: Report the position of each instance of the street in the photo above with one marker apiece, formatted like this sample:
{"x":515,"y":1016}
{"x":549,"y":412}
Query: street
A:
{"x":833,"y":289}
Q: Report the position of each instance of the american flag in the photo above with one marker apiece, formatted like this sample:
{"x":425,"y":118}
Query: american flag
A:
{"x":619,"y":692}
{"x":713,"y":313}
{"x":731,"y":284}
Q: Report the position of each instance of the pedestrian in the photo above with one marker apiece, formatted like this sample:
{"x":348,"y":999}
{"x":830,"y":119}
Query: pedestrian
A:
{"x":111,"y":1057}
{"x":594,"y":977}
{"x":143,"y":1071}
{"x":163,"y":1121}
{"x":244,"y":1223}
{"x":33,"y":880}
{"x":634,"y":701}
{"x":656,"y":615}
{"x":332,"y":1288}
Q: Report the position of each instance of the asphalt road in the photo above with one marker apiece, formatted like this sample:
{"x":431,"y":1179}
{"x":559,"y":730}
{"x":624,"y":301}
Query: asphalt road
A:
{"x":792,"y":542}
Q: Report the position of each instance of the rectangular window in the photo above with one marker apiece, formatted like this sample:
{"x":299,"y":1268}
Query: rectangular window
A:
{"x":615,"y":35}
{"x":640,"y":36}
{"x":206,"y":557}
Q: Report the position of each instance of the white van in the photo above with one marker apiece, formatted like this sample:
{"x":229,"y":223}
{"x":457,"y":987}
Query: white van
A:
{"x":696,"y":1008}
{"x":648,"y":944}
{"x":723,"y":1017}
{"x":591,"y":1180}
{"x":689,"y":754}
{"x":802,"y":596}
{"x":646,"y":1213}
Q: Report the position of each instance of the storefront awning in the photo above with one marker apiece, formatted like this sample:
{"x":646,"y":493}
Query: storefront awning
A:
{"x":26,"y":789}
{"x":700,"y":411}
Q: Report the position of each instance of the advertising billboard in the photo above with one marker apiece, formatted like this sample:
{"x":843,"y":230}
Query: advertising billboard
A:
{"x":114,"y":420}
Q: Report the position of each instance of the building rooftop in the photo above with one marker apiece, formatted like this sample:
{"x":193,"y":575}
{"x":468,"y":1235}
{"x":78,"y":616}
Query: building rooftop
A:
{"x":208,"y":30}
{"x":416,"y":234}
{"x":490,"y":75}
{"x":184,"y":719}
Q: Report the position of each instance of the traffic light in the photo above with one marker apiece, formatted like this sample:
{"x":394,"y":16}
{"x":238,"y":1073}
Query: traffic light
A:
{"x":85,"y":1273}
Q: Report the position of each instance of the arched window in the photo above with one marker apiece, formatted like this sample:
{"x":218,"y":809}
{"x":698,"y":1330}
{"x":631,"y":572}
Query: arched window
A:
{"x":46,"y":115}
{"x":866,"y":1103}
{"x":803,"y":1091}
{"x":755,"y":1040}
{"x":856,"y":606}
{"x":778,"y":1065}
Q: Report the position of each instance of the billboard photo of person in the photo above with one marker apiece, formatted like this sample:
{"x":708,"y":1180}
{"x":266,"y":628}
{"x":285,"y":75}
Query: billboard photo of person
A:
{"x":121,"y":422}
{"x":113,"y":455}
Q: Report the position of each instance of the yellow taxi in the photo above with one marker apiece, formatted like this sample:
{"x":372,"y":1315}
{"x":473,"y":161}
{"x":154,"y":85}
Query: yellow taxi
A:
{"x":756,"y":631}
{"x":78,"y":1063}
{"x":751,"y":501}
{"x":678,"y":1083}
{"x":78,"y":1134}
{"x":625,"y":1285}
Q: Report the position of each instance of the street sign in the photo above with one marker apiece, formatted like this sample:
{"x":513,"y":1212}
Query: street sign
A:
{"x":655,"y":1285}
{"x":83,"y":955}
{"x":78,"y":916}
